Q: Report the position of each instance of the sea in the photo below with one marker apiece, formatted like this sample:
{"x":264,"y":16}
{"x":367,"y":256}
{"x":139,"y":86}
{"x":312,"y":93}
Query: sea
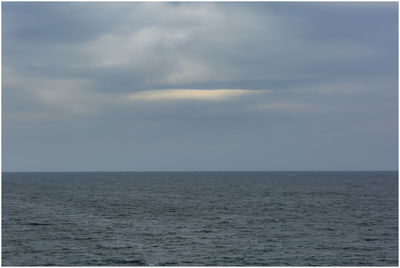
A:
{"x":200,"y":219}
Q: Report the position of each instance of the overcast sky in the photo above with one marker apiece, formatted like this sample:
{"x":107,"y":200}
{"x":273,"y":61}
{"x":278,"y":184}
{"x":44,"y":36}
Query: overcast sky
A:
{"x":199,"y":86}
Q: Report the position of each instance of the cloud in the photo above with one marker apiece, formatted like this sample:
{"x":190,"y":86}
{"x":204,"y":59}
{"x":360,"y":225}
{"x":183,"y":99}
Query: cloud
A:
{"x":191,"y":94}
{"x":52,"y":98}
{"x":127,"y":71}
{"x":117,"y":46}
{"x":37,"y":98}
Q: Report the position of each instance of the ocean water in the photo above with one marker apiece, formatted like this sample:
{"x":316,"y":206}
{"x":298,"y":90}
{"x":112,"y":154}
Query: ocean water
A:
{"x":200,"y":218}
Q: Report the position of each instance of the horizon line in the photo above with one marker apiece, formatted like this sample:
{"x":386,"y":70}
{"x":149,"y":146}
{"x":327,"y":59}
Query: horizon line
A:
{"x":144,"y":171}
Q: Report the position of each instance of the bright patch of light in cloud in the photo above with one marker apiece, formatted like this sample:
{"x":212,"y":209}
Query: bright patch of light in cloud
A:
{"x":191,"y":94}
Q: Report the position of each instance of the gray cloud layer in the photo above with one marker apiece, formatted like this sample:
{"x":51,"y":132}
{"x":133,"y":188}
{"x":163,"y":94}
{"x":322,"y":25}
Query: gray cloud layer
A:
{"x":199,"y":86}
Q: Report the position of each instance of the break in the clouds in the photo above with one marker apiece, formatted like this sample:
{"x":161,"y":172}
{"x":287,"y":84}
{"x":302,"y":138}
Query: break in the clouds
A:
{"x":199,"y":86}
{"x":190,"y":94}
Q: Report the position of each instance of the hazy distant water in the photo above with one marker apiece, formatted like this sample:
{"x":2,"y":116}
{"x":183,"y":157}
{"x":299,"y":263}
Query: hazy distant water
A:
{"x":243,"y":218}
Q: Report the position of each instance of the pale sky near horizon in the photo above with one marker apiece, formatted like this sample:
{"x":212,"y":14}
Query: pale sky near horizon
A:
{"x":164,"y":86}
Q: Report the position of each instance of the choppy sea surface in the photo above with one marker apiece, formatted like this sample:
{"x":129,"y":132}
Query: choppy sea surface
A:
{"x":200,"y":218}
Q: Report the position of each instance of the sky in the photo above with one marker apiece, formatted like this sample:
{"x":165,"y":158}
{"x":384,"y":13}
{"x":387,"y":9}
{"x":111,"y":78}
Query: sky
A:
{"x":169,"y":86}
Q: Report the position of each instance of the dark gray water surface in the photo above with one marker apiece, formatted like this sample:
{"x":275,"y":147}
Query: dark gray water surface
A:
{"x":200,"y":218}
